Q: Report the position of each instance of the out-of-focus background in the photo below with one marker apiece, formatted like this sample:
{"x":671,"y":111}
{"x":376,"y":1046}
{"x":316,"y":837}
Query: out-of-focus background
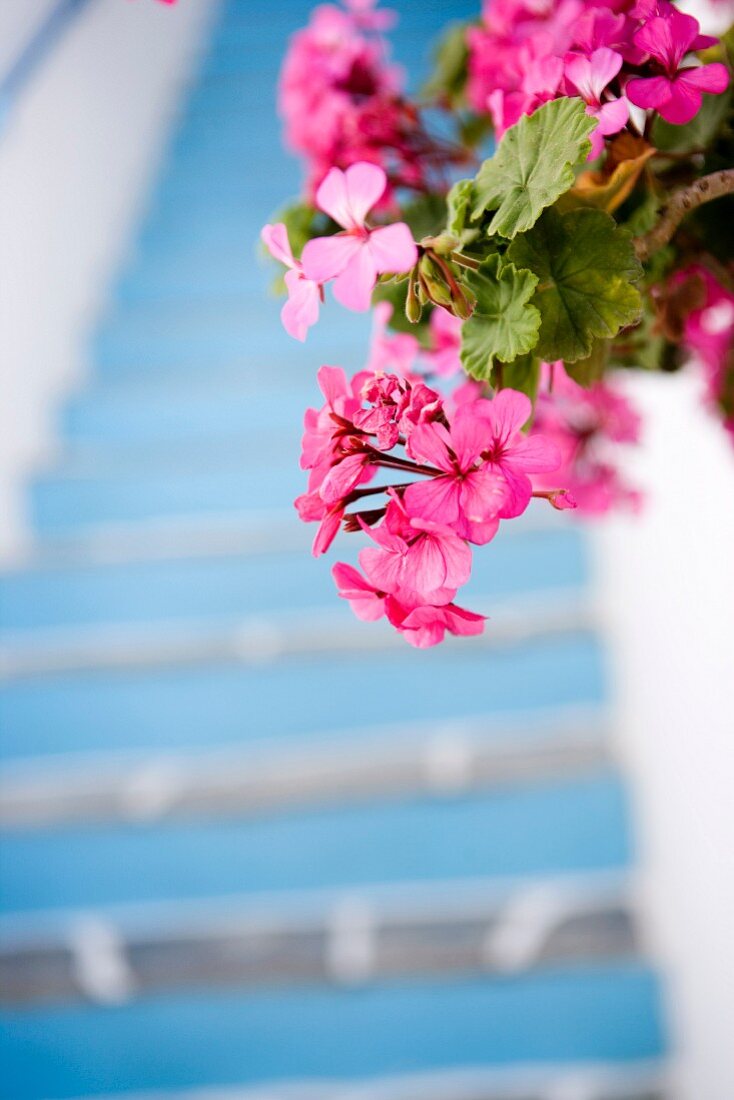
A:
{"x":249,"y":846}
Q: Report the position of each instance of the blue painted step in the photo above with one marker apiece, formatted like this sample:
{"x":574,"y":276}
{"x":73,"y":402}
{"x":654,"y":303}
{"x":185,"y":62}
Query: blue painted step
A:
{"x":196,"y":706}
{"x":538,"y":830}
{"x":238,"y":585}
{"x":211,"y":405}
{"x":61,"y":505}
{"x":179,"y":1041}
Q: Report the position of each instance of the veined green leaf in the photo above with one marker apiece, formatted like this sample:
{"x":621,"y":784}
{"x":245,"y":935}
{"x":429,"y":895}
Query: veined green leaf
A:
{"x":586,"y":267}
{"x":533,"y":165}
{"x":503,"y":325}
{"x":458,"y":201}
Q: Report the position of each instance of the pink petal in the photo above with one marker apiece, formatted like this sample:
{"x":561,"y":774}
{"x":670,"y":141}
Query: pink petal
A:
{"x":605,"y":65}
{"x":365,"y":185}
{"x":425,"y":626}
{"x":534,"y":455}
{"x":436,"y":499}
{"x":612,"y":116}
{"x":342,"y":478}
{"x":507,"y":412}
{"x":595,"y":137}
{"x":332,"y":198}
{"x":704,"y":42}
{"x":326,"y":257}
{"x":597,"y":27}
{"x":353,"y":287}
{"x":470,"y":435}
{"x":385,"y":535}
{"x":425,"y":629}
{"x":590,"y":75}
{"x":382,"y":567}
{"x":649,"y":92}
{"x":668,"y":38}
{"x":457,"y":558}
{"x":393,"y":248}
{"x":462,"y":622}
{"x":362,"y":598}
{"x":429,"y":443}
{"x":707,"y":78}
{"x":310,"y":507}
{"x":518,"y":491}
{"x":425,"y":570}
{"x":275,"y":239}
{"x":333,"y":384}
{"x":483,"y":495}
{"x":327,"y":532}
{"x":302,"y":308}
{"x":683,"y":105}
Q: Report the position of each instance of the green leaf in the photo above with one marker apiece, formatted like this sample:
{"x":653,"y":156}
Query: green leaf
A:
{"x":591,"y":369}
{"x":458,"y":201}
{"x":522,"y":374}
{"x":533,"y":165}
{"x":503,"y":325}
{"x":586,"y":266}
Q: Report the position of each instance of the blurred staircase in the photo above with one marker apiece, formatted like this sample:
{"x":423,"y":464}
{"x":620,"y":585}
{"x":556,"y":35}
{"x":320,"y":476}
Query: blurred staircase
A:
{"x":250,"y":846}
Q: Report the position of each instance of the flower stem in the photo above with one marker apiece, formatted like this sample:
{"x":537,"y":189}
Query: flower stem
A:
{"x":682,"y":202}
{"x":393,"y":462}
{"x":465,"y":261}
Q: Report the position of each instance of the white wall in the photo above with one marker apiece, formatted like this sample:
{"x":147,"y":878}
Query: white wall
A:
{"x":666,"y":580}
{"x":76,"y":155}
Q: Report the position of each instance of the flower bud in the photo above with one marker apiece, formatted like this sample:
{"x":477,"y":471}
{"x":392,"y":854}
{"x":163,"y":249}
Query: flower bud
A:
{"x":413,"y":307}
{"x":434,"y":282}
{"x":462,"y":303}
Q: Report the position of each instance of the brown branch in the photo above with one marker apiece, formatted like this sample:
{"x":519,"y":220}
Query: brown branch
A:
{"x":681,"y":203}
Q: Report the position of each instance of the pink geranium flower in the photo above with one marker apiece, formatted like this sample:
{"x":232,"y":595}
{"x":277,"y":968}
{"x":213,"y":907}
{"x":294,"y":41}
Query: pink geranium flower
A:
{"x":676,"y":93}
{"x":311,"y":508}
{"x":467,"y":496}
{"x":426,"y":626}
{"x":603,"y":27}
{"x":327,"y":427}
{"x":366,"y":601}
{"x":304,"y":295}
{"x":540,"y":76}
{"x":421,"y":625}
{"x":397,"y":405}
{"x":357,"y":256}
{"x":415,"y":558}
{"x":333,"y":449}
{"x":511,"y":455}
{"x":588,"y":77}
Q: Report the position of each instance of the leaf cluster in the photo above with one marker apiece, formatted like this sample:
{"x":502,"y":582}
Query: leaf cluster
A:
{"x":556,"y":277}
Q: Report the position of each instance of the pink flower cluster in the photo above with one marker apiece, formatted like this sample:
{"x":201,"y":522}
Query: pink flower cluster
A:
{"x":586,"y":425}
{"x":353,"y":259}
{"x":462,"y":468}
{"x":342,"y":101}
{"x":709,"y":335}
{"x":527,"y":52}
